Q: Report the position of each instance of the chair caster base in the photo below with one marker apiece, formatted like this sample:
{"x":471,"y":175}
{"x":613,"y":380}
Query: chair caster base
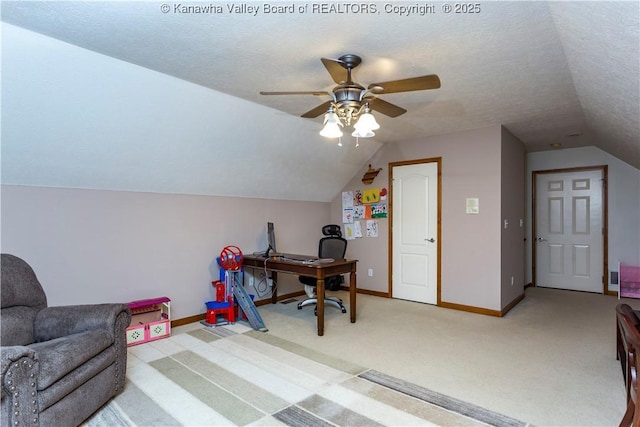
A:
{"x":335,"y":302}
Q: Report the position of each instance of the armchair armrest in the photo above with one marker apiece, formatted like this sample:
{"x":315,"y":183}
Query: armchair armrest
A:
{"x":14,"y":353}
{"x":19,"y":367}
{"x":55,"y":322}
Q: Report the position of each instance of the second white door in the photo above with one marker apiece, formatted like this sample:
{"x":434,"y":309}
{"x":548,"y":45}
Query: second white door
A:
{"x":569,"y":230}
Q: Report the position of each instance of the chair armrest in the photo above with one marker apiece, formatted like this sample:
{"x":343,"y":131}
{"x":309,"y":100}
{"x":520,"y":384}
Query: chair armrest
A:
{"x":19,"y":367}
{"x":56,"y":322}
{"x":14,"y":353}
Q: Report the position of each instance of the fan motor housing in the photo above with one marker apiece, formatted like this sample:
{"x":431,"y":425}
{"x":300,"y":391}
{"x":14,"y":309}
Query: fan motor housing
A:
{"x":347,"y":101}
{"x":348,"y":95}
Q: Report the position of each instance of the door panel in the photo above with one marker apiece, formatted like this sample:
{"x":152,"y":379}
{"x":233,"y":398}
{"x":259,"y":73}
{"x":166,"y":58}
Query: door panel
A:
{"x":569,"y":228}
{"x":415,"y":232}
{"x":556,"y":259}
{"x":581,"y":261}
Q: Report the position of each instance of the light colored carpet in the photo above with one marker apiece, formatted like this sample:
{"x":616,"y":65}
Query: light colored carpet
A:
{"x":232,"y":375}
{"x":550,"y":361}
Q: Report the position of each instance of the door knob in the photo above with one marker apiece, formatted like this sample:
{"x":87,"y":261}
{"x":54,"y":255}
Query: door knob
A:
{"x":541,"y":239}
{"x":432,"y":240}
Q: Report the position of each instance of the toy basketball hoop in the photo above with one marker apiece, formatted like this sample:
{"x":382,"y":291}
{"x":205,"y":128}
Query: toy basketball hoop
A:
{"x":231,"y":258}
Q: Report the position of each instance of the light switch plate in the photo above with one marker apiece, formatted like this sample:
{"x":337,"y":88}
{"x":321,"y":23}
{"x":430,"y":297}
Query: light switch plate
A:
{"x":473,"y":206}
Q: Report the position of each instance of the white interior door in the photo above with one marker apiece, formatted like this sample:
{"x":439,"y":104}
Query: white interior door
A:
{"x":415,"y":232}
{"x":569,"y":230}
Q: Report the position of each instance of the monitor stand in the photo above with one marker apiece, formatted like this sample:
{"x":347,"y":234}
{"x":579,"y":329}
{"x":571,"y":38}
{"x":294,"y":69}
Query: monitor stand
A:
{"x":270,"y":253}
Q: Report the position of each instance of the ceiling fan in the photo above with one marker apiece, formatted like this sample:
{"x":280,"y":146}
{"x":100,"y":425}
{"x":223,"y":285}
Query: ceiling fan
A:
{"x":351,"y":102}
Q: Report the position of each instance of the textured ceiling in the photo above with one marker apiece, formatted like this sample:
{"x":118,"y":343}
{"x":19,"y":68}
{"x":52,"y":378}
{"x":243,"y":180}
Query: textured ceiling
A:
{"x":544,"y":70}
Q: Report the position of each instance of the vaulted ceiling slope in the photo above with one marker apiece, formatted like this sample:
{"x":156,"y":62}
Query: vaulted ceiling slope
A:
{"x":563,"y":72}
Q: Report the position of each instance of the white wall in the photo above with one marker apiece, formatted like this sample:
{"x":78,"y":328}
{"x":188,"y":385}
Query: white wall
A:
{"x":75,"y":118}
{"x":92,"y":246}
{"x":624,"y":200}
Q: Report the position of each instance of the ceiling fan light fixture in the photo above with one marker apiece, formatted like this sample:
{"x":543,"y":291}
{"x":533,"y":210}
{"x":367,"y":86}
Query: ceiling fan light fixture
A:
{"x":366,"y":122}
{"x":331,"y":130}
{"x":332,"y":125}
{"x":363,"y":133}
{"x":350,"y":99}
{"x":332,"y":117}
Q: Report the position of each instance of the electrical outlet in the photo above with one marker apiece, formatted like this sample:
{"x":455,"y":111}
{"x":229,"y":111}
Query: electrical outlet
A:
{"x":370,"y":272}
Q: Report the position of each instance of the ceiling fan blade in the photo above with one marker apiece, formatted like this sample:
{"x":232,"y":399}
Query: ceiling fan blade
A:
{"x":384,"y":107}
{"x":431,"y":81}
{"x":311,"y":92}
{"x":317,"y":111}
{"x":336,"y":69}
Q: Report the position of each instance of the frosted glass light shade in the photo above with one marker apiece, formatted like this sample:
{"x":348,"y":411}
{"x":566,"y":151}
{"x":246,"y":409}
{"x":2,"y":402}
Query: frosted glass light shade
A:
{"x":363,"y":133}
{"x":367,"y":121}
{"x":332,"y":125}
{"x":331,"y":130}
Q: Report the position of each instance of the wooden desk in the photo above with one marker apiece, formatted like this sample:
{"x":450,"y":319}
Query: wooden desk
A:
{"x":317,"y":270}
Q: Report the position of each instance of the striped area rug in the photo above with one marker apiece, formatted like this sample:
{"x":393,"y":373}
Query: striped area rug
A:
{"x":234,"y":376}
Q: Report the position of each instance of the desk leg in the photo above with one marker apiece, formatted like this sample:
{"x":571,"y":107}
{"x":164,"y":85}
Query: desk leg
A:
{"x":320,"y":305}
{"x":274,"y":291}
{"x":352,"y":295}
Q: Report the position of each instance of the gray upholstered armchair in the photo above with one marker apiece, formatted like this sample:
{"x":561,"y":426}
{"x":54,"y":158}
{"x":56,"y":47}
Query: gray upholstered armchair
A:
{"x":59,"y":364}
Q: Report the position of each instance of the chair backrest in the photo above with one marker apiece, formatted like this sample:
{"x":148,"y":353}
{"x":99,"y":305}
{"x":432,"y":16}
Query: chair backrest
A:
{"x":22,"y":298}
{"x":334,"y":245}
{"x":631,"y":338}
{"x":20,"y":286}
{"x":626,"y":316}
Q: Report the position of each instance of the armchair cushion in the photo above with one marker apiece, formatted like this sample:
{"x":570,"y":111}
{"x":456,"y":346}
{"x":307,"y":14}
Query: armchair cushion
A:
{"x":55,"y":322}
{"x":62,"y":355}
{"x":20,"y":286}
{"x":22,"y":298}
{"x":18,"y":325}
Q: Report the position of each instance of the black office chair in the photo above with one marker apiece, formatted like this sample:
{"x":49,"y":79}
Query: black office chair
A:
{"x":333,"y":246}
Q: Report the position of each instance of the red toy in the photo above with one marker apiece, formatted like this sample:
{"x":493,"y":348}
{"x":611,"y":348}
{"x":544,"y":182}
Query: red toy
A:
{"x":223,"y":309}
{"x":231,"y":258}
{"x":221,"y":292}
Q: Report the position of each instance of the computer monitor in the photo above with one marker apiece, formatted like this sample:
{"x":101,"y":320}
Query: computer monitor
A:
{"x":271,"y":239}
